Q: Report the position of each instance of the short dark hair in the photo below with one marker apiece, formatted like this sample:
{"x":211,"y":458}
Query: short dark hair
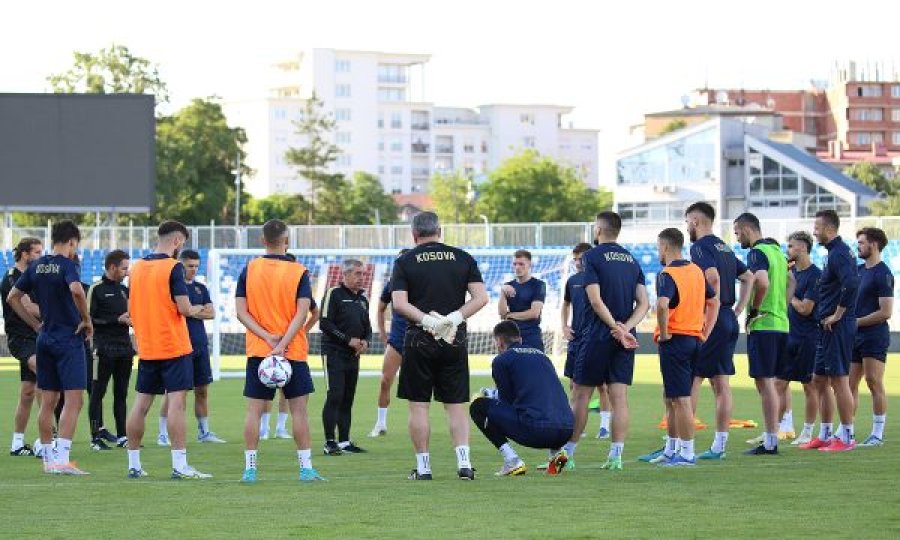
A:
{"x":581,"y":247}
{"x":612,"y":220}
{"x":291,"y":257}
{"x":522,"y":254}
{"x":115,"y":258}
{"x":63,"y":231}
{"x":802,"y":236}
{"x":874,"y":234}
{"x":673,"y":237}
{"x":426,"y":224}
{"x":507,"y":331}
{"x":704,"y":208}
{"x":171,"y":226}
{"x":25,"y":245}
{"x":274,"y":229}
{"x":829,"y":216}
{"x":189,"y":255}
{"x":748,"y":219}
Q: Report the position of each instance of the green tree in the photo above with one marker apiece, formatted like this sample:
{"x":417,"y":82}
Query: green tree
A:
{"x":196,"y":152}
{"x":313,"y":159}
{"x":674,"y":125}
{"x":453,"y":195}
{"x":333,"y":200}
{"x":868,"y":173}
{"x":288,"y":208}
{"x":533,"y":188}
{"x":113,"y":70}
{"x":368,"y":202}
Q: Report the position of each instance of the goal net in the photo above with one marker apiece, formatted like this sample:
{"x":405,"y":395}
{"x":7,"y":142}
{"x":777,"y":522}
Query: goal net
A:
{"x":223,"y":267}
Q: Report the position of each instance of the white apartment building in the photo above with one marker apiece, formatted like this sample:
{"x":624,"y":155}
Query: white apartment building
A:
{"x":382,"y":129}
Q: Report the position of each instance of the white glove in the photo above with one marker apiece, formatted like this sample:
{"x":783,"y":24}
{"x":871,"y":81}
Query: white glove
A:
{"x":490,"y":393}
{"x":446,"y":328}
{"x":431,"y":322}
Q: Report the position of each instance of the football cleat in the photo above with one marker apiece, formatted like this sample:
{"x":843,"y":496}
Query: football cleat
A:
{"x":837,"y":445}
{"x":107,"y":436}
{"x":209,"y":437}
{"x":648,"y":458}
{"x":416,"y":475}
{"x":70,"y":469}
{"x":559,"y":463}
{"x":804,"y":438}
{"x":137,"y":473}
{"x":122,"y":442}
{"x":678,"y":461}
{"x":378,"y":431}
{"x":264,"y":433}
{"x":249,"y":476}
{"x":163,"y":440}
{"x":26,"y":450}
{"x":331,"y":448}
{"x":98,"y":444}
{"x":466,"y":473}
{"x":352,"y":449}
{"x":662,"y":458}
{"x":311,"y":475}
{"x":761,"y":450}
{"x":710,"y":455}
{"x":871,"y":441}
{"x":756,"y":441}
{"x":785,"y":435}
{"x":189,"y":473}
{"x":283,"y":434}
{"x":516,"y":468}
{"x":612,"y":464}
{"x":815,"y":444}
{"x":602,"y":433}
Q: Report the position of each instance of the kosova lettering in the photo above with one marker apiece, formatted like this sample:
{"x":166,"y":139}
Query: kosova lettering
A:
{"x":429,"y":256}
{"x":47,"y":268}
{"x":618,"y":257}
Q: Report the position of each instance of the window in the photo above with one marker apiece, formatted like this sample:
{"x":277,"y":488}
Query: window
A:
{"x":468,"y":147}
{"x":895,"y":138}
{"x":391,"y":74}
{"x":526,"y":118}
{"x":381,"y":169}
{"x":342,"y":90}
{"x":380,"y":120}
{"x":344,"y":160}
{"x":867,"y":115}
{"x":396,"y":120}
{"x":895,"y":91}
{"x":895,"y":114}
{"x":396,"y":145}
{"x":651,"y":212}
{"x":770,"y":183}
{"x":690,"y":159}
{"x":342,"y":137}
{"x":391,"y":94}
{"x":869,"y":90}
{"x":396,"y":169}
{"x":381,"y":145}
{"x":865,"y":137}
{"x":528,"y":142}
{"x":342,"y":66}
{"x":279,"y":113}
{"x":817,"y":198}
{"x":484,"y":147}
{"x":342,"y":115}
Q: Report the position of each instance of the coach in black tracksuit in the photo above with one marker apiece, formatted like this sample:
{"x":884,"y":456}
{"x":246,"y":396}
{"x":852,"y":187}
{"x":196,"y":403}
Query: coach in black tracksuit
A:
{"x":346,"y":333}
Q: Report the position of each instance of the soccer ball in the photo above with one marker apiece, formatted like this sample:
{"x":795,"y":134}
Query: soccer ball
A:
{"x":274,"y":371}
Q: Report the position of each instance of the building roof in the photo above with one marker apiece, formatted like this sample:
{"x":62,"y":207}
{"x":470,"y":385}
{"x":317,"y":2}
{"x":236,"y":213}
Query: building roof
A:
{"x":716,"y":110}
{"x":849,"y":157}
{"x":812,"y":163}
{"x":422,"y":201}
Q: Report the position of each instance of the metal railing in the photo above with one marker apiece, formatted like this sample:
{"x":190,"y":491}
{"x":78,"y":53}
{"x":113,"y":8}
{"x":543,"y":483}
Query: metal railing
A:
{"x":396,"y":236}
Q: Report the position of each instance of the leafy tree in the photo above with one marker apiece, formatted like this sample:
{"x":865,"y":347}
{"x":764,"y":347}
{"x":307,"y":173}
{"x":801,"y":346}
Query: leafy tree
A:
{"x":674,"y":125}
{"x":114,"y":70}
{"x":312,"y":160}
{"x":289,"y":208}
{"x":453,"y":196}
{"x":367,"y":201}
{"x":533,"y":188}
{"x":868,"y":173}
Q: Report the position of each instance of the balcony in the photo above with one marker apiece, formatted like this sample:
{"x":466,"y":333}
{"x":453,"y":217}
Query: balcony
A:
{"x":420,"y":148}
{"x":444,"y":148}
{"x":421,"y":171}
{"x":420,"y":126}
{"x":384,"y":78}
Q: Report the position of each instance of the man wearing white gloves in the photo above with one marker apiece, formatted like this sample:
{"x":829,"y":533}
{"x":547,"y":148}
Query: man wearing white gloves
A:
{"x":429,"y":285}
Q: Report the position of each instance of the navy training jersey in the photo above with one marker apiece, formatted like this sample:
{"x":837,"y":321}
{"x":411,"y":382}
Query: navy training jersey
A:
{"x":47,"y":280}
{"x":839,"y":281}
{"x":618,"y":274}
{"x":199,"y":296}
{"x":398,"y":322}
{"x":874,"y":283}
{"x":807,"y":289}
{"x":526,"y":379}
{"x":575,"y":295}
{"x":711,"y":252}
{"x":533,"y":290}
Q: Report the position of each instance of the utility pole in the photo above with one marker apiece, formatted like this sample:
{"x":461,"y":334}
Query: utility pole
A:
{"x":237,"y":193}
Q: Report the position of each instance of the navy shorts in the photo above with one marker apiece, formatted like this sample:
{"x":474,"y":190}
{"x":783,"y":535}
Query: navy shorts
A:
{"x":395,"y":339}
{"x":571,"y":356}
{"x":798,"y":360}
{"x":717,"y":353}
{"x":301,"y":383}
{"x":603,"y":360}
{"x":871,"y":344}
{"x":61,"y":363}
{"x":157,"y":377}
{"x":532,"y":337}
{"x":834,"y":349}
{"x":677,"y":357}
{"x":506,"y":419}
{"x":22,"y":348}
{"x":764,"y":351}
{"x":202,"y":367}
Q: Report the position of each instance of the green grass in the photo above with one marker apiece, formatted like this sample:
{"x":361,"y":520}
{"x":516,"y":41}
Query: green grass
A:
{"x":796,"y":494}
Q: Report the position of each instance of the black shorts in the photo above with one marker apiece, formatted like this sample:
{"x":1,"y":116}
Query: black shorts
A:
{"x":22,"y":348}
{"x":871,"y":344}
{"x":677,"y":357}
{"x":431,"y":367}
{"x":202,"y":368}
{"x":160,"y":376}
{"x":834,"y":349}
{"x":798,"y":360}
{"x":764,"y":351}
{"x":61,"y":362}
{"x":717,"y":353}
{"x":602,"y":360}
{"x":571,"y":355}
{"x":299,"y":385}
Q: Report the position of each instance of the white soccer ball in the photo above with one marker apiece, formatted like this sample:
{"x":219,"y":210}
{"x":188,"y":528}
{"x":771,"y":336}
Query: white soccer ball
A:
{"x":274,"y":371}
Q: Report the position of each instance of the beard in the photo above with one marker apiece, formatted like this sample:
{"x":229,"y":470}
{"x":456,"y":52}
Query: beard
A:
{"x":692,"y":234}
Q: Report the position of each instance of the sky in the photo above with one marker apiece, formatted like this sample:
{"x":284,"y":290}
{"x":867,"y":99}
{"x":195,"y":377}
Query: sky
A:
{"x":612,"y":61}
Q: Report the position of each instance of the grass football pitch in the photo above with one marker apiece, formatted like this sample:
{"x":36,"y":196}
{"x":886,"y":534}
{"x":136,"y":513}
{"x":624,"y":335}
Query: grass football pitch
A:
{"x":798,"y":493}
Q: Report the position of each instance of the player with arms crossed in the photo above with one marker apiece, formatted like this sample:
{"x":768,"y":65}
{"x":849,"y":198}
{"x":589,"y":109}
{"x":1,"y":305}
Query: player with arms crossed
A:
{"x":272,"y":300}
{"x":429,"y":286}
{"x":522,"y":299}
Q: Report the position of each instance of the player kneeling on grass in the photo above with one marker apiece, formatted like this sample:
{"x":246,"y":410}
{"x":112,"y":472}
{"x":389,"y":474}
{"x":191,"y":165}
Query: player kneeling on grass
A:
{"x":529,"y":405}
{"x":686,"y":311}
{"x":272,"y":300}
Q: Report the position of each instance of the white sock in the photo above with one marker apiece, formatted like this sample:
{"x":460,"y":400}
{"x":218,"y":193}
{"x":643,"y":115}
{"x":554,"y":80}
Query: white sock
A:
{"x":671,"y":446}
{"x":282,"y":421}
{"x":462,"y":457}
{"x":134,"y":459}
{"x":305,"y":458}
{"x":687,"y":449}
{"x":509,"y":455}
{"x":787,"y":421}
{"x":179,"y":459}
{"x":878,"y":421}
{"x":249,"y":459}
{"x":164,"y":426}
{"x":382,"y":416}
{"x":808,"y":428}
{"x":719,"y":441}
{"x":423,"y":463}
{"x":18,"y":441}
{"x":62,"y":450}
{"x":343,"y":444}
{"x":264,"y":422}
{"x":49,"y":455}
{"x":770,"y":441}
{"x":825,"y":431}
{"x":604,"y":419}
{"x":570,"y":448}
{"x":203,"y":424}
{"x":615,"y":449}
{"x":846,"y":433}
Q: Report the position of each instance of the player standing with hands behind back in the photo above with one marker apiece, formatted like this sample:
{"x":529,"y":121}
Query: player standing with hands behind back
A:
{"x":429,"y":287}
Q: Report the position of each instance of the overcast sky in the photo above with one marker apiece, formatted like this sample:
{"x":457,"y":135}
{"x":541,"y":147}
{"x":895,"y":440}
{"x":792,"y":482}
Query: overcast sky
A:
{"x":612,"y":61}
